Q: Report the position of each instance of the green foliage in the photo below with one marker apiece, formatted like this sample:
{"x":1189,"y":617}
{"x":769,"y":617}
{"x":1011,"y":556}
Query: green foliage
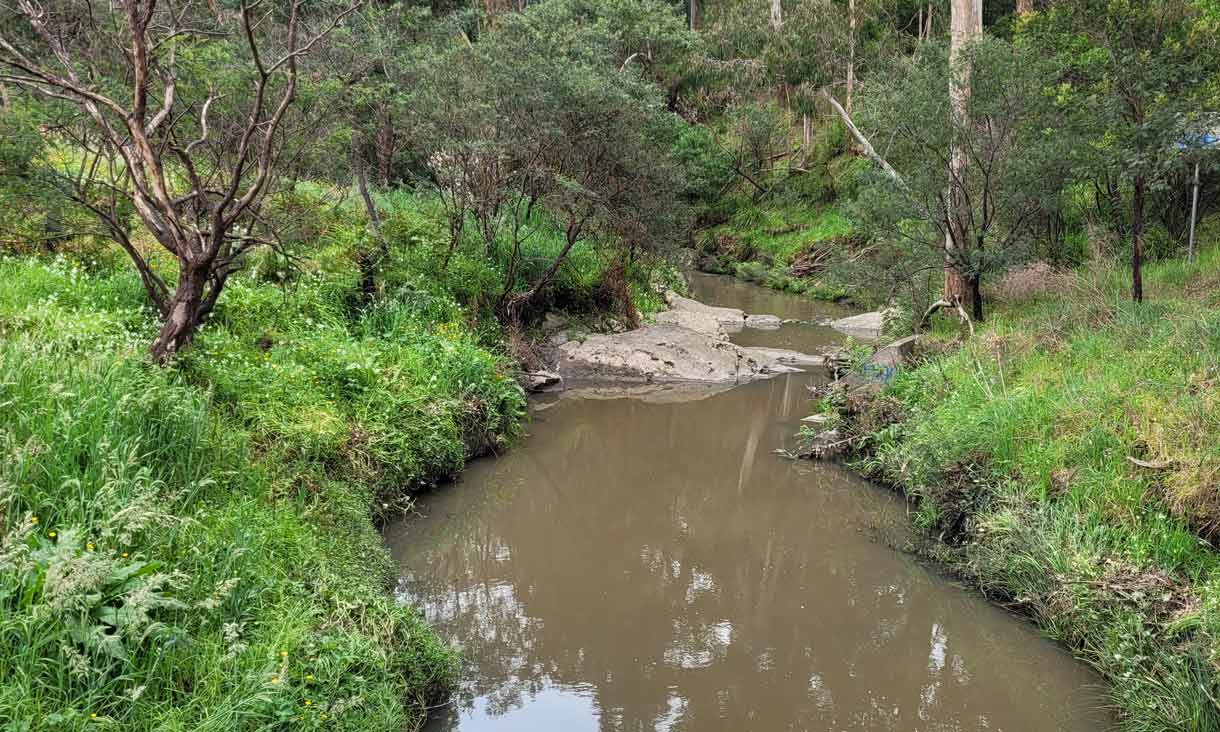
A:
{"x":1016,"y":448}
{"x":193,"y":549}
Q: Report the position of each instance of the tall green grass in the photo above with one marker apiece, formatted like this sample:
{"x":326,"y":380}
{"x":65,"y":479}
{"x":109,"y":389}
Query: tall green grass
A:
{"x":1018,"y":449}
{"x":192,"y":548}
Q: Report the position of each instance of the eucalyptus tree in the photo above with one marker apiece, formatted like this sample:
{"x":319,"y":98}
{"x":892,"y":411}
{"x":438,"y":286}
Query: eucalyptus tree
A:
{"x":1016,"y":144}
{"x":1144,"y":72}
{"x":189,"y":106}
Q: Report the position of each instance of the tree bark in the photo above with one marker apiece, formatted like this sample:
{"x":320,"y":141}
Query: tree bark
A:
{"x":967,"y":24}
{"x":777,"y":15}
{"x":869,"y":151}
{"x":851,"y":54}
{"x":1025,"y":7}
{"x":1137,"y":238}
{"x":385,"y":151}
{"x":693,"y":11}
{"x":182,"y":316}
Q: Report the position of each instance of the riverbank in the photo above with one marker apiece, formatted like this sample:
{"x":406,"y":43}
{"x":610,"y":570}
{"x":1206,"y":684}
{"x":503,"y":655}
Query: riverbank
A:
{"x":1065,"y":461}
{"x":194,"y":547}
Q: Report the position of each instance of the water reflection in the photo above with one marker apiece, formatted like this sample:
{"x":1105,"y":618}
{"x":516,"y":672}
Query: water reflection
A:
{"x":638,"y":566}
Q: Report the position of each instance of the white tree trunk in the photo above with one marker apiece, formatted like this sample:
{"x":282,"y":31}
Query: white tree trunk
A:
{"x":777,"y":15}
{"x":966,"y":25}
{"x":851,"y":53}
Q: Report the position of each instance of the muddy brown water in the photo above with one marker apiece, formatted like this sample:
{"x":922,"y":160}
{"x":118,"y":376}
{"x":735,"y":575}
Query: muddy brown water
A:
{"x":637,"y":566}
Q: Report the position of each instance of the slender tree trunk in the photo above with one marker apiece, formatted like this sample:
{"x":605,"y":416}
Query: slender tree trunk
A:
{"x":385,"y":151}
{"x":1137,"y":238}
{"x":851,"y":54}
{"x":806,"y":130}
{"x":693,"y":12}
{"x":777,"y":15}
{"x":967,"y":24}
{"x":1025,"y":7}
{"x":182,"y":317}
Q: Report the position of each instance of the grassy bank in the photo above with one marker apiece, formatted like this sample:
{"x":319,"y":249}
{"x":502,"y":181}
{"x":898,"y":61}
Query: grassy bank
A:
{"x":194,"y":548}
{"x":793,"y":230}
{"x":1067,"y":458}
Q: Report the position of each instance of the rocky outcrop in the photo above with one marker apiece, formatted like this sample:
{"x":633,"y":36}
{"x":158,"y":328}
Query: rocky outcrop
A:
{"x":688,"y":343}
{"x":672,"y":353}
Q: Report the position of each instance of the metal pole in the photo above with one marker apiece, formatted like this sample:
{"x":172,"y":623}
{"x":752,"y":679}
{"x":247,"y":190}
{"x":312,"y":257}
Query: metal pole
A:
{"x":1194,"y":212}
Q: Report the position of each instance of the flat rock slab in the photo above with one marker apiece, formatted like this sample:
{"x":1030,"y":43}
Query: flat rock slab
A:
{"x":669,"y":353}
{"x":706,"y":323}
{"x":726,"y":316}
{"x":864,"y":325}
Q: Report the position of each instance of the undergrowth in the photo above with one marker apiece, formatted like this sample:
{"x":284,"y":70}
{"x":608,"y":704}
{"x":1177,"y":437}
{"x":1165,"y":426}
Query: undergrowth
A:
{"x":1067,"y":457}
{"x":193,"y":548}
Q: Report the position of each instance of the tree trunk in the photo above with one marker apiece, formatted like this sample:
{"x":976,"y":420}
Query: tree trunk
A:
{"x":182,"y":317}
{"x":385,"y":151}
{"x":851,"y":54}
{"x":693,"y":11}
{"x":1025,"y":7}
{"x":1137,"y":238}
{"x":967,"y":24}
{"x":777,"y":15}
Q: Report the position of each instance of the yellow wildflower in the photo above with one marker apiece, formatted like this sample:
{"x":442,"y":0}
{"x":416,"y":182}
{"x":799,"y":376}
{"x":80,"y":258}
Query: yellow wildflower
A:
{"x":89,"y":547}
{"x":275,"y":679}
{"x":52,"y":534}
{"x":33,"y":519}
{"x":308,"y":702}
{"x":124,"y":555}
{"x":309,"y":677}
{"x":283,"y":654}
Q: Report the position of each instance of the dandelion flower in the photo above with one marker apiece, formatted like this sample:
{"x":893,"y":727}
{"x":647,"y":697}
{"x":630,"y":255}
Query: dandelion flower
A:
{"x":124,"y":555}
{"x":52,"y":534}
{"x":309,"y":677}
{"x":93,"y":715}
{"x":33,"y":519}
{"x":283,"y":654}
{"x":89,"y":547}
{"x":308,"y":702}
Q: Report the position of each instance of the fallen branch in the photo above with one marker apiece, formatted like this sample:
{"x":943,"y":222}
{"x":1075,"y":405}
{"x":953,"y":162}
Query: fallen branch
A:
{"x":862,"y":141}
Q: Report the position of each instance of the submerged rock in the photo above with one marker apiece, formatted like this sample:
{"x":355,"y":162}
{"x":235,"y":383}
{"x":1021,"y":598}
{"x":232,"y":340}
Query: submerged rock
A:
{"x":765,"y":322}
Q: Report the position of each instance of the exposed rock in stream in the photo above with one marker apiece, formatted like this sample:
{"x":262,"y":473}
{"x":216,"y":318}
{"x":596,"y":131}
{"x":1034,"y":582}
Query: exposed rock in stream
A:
{"x":688,"y":343}
{"x":865,"y":325}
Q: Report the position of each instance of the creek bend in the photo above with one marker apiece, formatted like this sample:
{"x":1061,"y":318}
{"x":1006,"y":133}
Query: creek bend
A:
{"x":642,"y":565}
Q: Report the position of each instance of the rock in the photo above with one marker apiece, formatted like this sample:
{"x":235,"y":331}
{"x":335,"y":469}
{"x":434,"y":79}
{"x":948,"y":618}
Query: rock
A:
{"x":817,"y":419}
{"x":706,"y":323}
{"x":726,"y":316}
{"x":767,"y":322}
{"x":785,"y":357}
{"x":553,"y":323}
{"x":896,"y":354}
{"x":536,"y":381}
{"x":866,"y":325}
{"x":671,"y":353}
{"x":825,"y":445}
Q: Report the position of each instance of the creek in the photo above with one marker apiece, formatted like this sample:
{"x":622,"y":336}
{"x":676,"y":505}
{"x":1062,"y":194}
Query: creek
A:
{"x":650,"y":565}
